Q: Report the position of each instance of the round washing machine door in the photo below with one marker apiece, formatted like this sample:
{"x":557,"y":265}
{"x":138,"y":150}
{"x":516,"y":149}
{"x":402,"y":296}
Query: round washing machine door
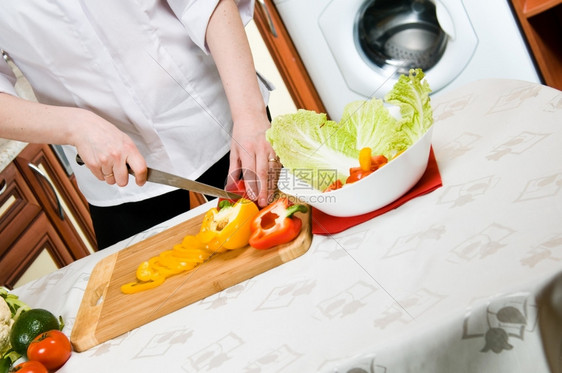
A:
{"x":374,"y":41}
{"x":402,"y":34}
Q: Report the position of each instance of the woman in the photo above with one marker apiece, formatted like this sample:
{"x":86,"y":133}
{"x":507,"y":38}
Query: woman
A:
{"x":168,"y":84}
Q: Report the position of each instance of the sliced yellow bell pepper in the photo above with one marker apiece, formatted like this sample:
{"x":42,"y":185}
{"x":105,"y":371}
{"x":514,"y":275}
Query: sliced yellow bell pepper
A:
{"x":221,"y":230}
{"x":192,"y":242}
{"x":365,"y":159}
{"x":145,"y":272}
{"x":135,"y":287}
{"x":180,"y":252}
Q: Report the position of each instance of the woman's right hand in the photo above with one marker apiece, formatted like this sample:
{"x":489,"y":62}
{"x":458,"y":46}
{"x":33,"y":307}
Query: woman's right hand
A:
{"x":106,"y":150}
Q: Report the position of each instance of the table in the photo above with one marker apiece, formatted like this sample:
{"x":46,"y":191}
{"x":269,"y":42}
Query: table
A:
{"x":464,"y":279}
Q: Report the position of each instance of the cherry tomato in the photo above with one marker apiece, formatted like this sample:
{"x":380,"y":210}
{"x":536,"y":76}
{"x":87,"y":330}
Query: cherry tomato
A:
{"x":52,"y":349}
{"x":30,"y":367}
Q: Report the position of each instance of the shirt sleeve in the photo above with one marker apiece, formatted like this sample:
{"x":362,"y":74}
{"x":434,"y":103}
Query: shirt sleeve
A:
{"x":7,"y":78}
{"x":195,"y":16}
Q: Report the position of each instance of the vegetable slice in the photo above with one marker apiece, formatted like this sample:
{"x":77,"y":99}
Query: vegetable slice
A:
{"x":221,"y":230}
{"x":276,"y":225}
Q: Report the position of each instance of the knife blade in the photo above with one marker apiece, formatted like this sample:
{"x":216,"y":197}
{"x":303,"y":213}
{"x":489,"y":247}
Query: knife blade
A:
{"x":161,"y":177}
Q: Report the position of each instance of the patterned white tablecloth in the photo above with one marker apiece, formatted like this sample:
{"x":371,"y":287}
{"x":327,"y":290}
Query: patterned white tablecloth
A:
{"x":464,"y":279}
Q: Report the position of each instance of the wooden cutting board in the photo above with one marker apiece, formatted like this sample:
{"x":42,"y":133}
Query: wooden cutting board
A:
{"x":105,"y":312}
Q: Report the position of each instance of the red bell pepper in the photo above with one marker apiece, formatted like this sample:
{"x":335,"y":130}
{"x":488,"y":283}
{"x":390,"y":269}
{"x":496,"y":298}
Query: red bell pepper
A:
{"x":238,"y":187}
{"x":367,"y":165}
{"x":276,"y":224}
{"x":335,"y":185}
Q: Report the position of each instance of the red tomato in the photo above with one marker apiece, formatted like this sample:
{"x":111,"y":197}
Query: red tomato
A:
{"x":52,"y":349}
{"x":30,"y":367}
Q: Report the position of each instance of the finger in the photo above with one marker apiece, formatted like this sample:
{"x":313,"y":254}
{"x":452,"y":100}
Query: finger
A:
{"x":251,"y":180}
{"x":234,"y":173}
{"x":274,"y":170}
{"x":108,"y":176}
{"x":262,"y":170}
{"x":97,"y":172}
{"x":138,"y":167}
{"x":121,"y":174}
{"x":95,"y":169}
{"x":105,"y":165}
{"x":269,"y":178}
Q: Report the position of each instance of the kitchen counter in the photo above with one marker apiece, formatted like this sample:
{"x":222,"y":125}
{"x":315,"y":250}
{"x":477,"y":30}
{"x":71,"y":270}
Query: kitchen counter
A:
{"x":9,"y":150}
{"x":467,"y":278}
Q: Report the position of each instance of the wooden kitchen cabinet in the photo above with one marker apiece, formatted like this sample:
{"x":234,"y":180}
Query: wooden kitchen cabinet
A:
{"x":541,"y":22}
{"x":18,"y":207}
{"x":40,"y":236}
{"x":41,"y":211}
{"x":286,"y":58}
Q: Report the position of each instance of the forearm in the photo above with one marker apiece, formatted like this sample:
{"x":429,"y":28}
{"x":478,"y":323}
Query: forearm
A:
{"x":105,"y":149}
{"x":249,"y":152}
{"x":33,"y":122}
{"x":228,"y":43}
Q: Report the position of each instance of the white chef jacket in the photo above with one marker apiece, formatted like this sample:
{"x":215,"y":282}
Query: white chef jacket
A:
{"x":141,"y":64}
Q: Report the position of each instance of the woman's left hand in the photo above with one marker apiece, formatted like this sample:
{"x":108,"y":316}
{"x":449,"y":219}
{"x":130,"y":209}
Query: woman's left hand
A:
{"x":253,"y":159}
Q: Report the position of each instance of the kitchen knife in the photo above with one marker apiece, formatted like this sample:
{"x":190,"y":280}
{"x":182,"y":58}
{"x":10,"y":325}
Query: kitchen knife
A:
{"x":161,"y":177}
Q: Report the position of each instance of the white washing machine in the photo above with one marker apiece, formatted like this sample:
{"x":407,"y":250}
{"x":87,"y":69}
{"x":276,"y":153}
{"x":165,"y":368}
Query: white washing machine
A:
{"x":356,"y":49}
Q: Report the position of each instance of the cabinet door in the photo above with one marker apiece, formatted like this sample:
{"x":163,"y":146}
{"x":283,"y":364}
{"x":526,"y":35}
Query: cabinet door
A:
{"x":18,"y":206}
{"x":541,"y":21}
{"x":286,"y":57}
{"x":58,"y":197}
{"x":39,"y":240}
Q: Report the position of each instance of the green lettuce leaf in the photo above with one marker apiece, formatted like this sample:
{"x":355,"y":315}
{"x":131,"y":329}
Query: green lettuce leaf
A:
{"x":370,"y":124}
{"x":312,"y":146}
{"x":411,"y":94}
{"x":319,"y":151}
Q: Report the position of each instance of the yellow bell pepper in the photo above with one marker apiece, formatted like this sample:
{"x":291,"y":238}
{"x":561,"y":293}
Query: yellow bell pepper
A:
{"x":135,"y":287}
{"x":365,"y":159}
{"x":229,"y":227}
{"x":221,"y":230}
{"x":145,"y":272}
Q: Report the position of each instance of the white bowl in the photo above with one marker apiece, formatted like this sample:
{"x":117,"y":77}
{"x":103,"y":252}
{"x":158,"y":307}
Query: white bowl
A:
{"x":376,"y":190}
